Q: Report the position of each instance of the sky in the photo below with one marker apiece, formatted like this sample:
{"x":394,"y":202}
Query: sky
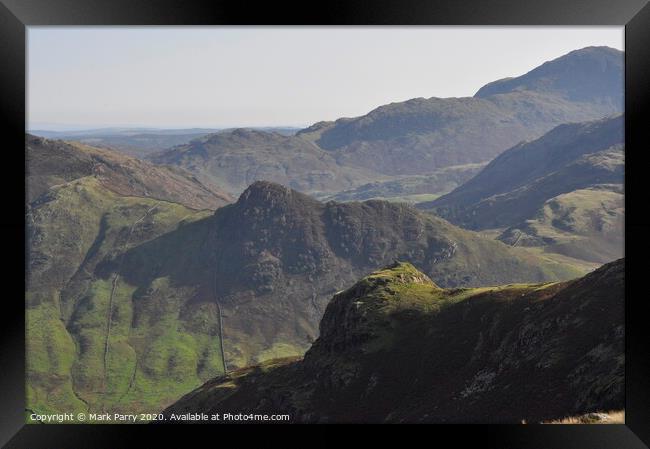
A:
{"x":217,"y":77}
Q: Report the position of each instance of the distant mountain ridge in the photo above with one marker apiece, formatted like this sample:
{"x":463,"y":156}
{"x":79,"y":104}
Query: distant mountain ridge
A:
{"x":142,"y":142}
{"x":417,"y":137}
{"x":421,"y":135}
{"x":588,"y":74}
{"x":568,"y":181}
{"x":237,"y":158}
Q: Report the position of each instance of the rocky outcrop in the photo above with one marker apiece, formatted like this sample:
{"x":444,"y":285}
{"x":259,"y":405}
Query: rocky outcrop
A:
{"x":397,"y":348}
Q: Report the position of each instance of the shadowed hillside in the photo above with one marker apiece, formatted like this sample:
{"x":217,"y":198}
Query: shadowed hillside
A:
{"x":395,"y":347}
{"x":557,"y":192}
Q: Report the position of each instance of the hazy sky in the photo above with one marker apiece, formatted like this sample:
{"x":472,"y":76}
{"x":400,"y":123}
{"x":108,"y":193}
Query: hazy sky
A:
{"x":269,"y":76}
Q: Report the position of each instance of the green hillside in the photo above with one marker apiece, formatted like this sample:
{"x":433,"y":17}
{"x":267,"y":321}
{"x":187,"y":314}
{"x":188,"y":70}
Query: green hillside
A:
{"x":94,"y":341}
{"x":562,"y":193}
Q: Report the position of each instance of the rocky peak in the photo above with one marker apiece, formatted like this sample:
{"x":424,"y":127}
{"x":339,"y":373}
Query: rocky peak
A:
{"x":262,"y":190}
{"x":399,"y":273}
{"x":269,"y":195}
{"x":358,"y":314}
{"x":587,"y":74}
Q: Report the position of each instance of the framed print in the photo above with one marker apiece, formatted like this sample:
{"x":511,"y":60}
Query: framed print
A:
{"x":411,"y":213}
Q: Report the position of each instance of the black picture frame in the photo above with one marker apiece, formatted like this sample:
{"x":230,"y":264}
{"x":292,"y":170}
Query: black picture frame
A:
{"x":16,"y":15}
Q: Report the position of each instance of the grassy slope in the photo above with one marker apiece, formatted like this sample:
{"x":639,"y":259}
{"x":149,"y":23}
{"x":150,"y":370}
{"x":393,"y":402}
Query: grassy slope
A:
{"x":560,"y":196}
{"x":585,"y":224}
{"x":149,"y":363}
{"x":479,"y":262}
{"x":517,"y":183}
{"x":54,"y":162}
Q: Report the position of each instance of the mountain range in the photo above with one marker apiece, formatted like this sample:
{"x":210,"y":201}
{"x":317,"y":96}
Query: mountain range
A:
{"x":236,"y":159}
{"x":415,"y":150}
{"x":215,"y":260}
{"x":140,"y":142}
{"x":421,"y":135}
{"x":559,"y":191}
{"x":144,"y":298}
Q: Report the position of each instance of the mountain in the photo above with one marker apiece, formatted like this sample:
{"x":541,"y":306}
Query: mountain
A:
{"x":84,"y":205}
{"x":54,"y":162}
{"x":412,"y":189}
{"x":558,"y":191}
{"x":144,"y":280}
{"x":83,"y":350}
{"x":141,"y":142}
{"x":590,"y":74}
{"x":421,"y":135}
{"x":235,"y":159}
{"x":137,"y":142}
{"x":274,"y":258}
{"x":397,"y":348}
{"x":133,"y":301}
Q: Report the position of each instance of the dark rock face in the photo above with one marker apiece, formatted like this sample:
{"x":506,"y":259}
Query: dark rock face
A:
{"x":397,"y":348}
{"x":272,"y":226}
{"x":288,"y":253}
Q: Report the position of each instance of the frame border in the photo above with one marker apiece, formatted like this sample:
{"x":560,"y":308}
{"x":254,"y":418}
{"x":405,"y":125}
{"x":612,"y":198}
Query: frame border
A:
{"x":16,"y":15}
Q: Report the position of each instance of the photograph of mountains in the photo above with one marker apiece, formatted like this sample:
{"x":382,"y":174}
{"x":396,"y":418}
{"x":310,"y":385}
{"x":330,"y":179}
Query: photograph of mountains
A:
{"x":331,"y":225}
